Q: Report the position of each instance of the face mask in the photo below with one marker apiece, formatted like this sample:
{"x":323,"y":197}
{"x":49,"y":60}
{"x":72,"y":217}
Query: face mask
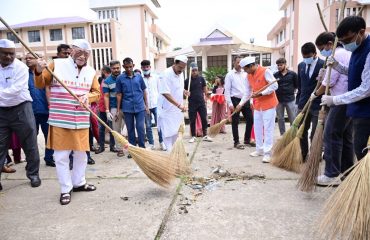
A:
{"x":147,"y":72}
{"x":308,"y":60}
{"x":351,"y":46}
{"x":326,"y":53}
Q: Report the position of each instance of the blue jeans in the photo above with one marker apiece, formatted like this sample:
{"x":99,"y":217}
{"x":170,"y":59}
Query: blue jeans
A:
{"x":42,"y":120}
{"x":103,"y":116}
{"x":148,"y":126}
{"x":133,"y":120}
{"x":338,"y":141}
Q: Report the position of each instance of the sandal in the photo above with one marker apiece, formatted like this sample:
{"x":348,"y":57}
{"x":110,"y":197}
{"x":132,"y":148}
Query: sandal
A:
{"x":65,"y":198}
{"x":120,"y":154}
{"x":239,"y":146}
{"x":84,"y":188}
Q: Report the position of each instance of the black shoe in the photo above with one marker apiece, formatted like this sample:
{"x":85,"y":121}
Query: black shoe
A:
{"x":250,"y":143}
{"x":129,"y":156}
{"x":50,"y":163}
{"x":90,"y":161}
{"x":100,"y":150}
{"x":114,"y":150}
{"x":1,"y":187}
{"x":35,"y":181}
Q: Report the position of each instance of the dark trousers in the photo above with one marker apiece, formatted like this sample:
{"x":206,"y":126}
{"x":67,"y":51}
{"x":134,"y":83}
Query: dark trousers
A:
{"x":202,"y":110}
{"x":247,"y":114}
{"x":42,"y":121}
{"x":103,"y":116}
{"x":338,"y":141}
{"x":311,"y":122}
{"x":20,"y":119}
{"x":361,"y":129}
{"x":135,"y":120}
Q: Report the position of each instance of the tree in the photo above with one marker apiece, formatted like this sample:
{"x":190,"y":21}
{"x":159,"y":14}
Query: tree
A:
{"x":211,"y":73}
{"x":177,"y":48}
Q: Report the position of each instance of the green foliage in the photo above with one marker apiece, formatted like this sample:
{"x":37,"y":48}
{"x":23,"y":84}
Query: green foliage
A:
{"x":176,"y":48}
{"x":211,"y":73}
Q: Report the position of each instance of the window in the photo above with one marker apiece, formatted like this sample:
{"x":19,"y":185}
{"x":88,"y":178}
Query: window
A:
{"x":144,"y":15}
{"x":34,"y":36}
{"x":10,"y":36}
{"x":78,"y":33}
{"x":257,"y":56}
{"x":292,"y":35}
{"x":293,"y":6}
{"x":354,"y":11}
{"x":217,"y":61}
{"x":56,"y":35}
{"x":170,"y":62}
{"x":266,"y":59}
{"x":112,"y":14}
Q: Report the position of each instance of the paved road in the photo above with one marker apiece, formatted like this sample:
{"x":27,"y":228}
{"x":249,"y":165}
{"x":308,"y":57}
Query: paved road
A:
{"x":257,"y":201}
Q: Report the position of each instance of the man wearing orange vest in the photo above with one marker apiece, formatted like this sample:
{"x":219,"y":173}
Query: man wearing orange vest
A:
{"x":264,"y":106}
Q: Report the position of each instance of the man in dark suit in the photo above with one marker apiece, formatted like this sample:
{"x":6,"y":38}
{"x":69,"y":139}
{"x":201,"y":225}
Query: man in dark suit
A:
{"x":308,"y":70}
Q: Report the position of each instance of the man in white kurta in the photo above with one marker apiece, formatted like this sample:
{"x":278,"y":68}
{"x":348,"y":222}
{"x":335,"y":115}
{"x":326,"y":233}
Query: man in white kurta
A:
{"x":170,"y":101}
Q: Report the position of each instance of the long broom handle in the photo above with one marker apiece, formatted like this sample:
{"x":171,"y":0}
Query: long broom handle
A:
{"x":329,"y":71}
{"x":53,"y":74}
{"x":258,"y":92}
{"x":321,"y":17}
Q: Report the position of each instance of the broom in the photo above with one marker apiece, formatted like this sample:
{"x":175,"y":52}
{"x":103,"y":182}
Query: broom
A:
{"x":178,"y":155}
{"x":154,"y":165}
{"x":346,"y":214}
{"x":291,"y":156}
{"x":215,"y":129}
{"x":306,"y":182}
{"x":290,"y":135}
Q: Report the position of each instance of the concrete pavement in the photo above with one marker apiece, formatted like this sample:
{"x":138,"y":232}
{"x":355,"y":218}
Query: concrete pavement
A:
{"x":127,"y":205}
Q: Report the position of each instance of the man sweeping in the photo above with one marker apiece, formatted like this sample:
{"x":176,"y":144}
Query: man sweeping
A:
{"x":170,"y":101}
{"x":69,"y":121}
{"x":264,"y":106}
{"x":351,"y":34}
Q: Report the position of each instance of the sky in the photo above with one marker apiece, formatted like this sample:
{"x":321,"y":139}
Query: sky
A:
{"x":185,"y":22}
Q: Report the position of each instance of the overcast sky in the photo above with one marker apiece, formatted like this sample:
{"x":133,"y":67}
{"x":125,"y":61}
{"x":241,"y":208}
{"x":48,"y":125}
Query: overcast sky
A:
{"x":183,"y":21}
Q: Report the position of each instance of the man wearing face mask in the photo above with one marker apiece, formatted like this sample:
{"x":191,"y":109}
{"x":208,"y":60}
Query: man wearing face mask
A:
{"x":308,"y":71}
{"x":151,"y":82}
{"x":170,"y":101}
{"x":351,"y":34}
{"x":69,"y":122}
{"x":338,"y":139}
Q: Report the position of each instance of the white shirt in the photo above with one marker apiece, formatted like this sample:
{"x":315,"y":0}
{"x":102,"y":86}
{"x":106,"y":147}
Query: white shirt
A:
{"x":359,"y":93}
{"x":14,"y":84}
{"x":236,"y":85}
{"x":152,"y":90}
{"x":269,"y":76}
{"x":170,"y":116}
{"x":312,"y":68}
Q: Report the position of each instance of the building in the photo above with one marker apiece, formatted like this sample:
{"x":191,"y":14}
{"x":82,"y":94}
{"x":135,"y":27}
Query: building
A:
{"x":218,"y":48}
{"x":301,"y":23}
{"x":123,"y":28}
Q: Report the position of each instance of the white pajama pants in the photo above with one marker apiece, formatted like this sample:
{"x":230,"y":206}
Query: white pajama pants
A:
{"x":69,"y":179}
{"x":264,"y":125}
{"x":169,"y":141}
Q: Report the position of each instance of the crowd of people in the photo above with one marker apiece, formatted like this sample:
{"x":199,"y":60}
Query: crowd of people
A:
{"x":137,"y":99}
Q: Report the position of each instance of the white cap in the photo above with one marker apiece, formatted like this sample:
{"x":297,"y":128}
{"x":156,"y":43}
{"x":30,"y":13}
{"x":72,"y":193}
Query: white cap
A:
{"x":82,"y":43}
{"x":182,"y":58}
{"x":5,"y":43}
{"x":247,"y":60}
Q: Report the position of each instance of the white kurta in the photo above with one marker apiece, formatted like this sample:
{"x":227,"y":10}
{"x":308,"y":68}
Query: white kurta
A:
{"x":170,"y":116}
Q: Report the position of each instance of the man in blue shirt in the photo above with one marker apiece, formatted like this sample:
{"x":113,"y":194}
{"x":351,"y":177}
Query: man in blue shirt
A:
{"x":110,"y":101}
{"x":40,"y":107}
{"x":132,"y":97}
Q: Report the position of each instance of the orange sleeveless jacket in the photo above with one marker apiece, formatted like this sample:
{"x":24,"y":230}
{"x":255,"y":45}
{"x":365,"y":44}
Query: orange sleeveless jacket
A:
{"x":258,"y":81}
